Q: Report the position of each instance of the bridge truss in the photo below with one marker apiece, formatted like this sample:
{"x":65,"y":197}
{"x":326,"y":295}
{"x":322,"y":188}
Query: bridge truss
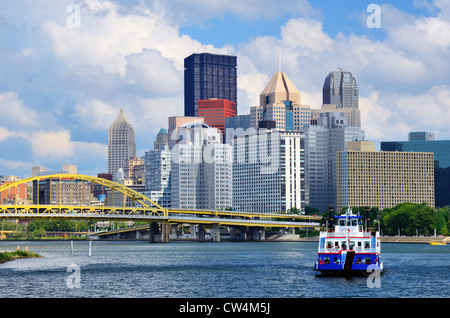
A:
{"x":143,"y":209}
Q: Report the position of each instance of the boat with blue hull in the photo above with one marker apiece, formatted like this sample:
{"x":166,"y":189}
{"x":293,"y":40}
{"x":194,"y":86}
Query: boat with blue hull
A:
{"x":346,"y":248}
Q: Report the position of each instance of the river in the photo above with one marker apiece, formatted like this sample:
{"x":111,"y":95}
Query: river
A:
{"x":117,"y":269}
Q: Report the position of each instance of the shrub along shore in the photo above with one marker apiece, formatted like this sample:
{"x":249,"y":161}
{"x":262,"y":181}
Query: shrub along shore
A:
{"x":6,"y":256}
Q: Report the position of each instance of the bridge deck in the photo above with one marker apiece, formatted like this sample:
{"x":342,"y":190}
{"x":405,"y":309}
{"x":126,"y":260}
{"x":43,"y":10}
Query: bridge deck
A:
{"x":226,"y":218}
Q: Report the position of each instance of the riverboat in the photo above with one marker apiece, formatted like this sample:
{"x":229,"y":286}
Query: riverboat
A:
{"x":348,"y":248}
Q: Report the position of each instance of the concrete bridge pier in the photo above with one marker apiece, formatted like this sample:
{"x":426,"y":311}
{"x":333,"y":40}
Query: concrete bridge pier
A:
{"x":238,"y":233}
{"x":215,"y":233}
{"x":243,"y":233}
{"x":159,"y":233}
{"x":201,"y":237}
{"x":259,"y":234}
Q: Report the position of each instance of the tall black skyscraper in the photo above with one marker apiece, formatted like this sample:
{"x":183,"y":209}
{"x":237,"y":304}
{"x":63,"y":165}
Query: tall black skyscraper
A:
{"x":340,"y":89}
{"x":208,"y":76}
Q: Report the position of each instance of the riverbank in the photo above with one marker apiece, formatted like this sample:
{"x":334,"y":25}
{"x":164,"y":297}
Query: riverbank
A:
{"x":6,"y":256}
{"x":384,"y":239}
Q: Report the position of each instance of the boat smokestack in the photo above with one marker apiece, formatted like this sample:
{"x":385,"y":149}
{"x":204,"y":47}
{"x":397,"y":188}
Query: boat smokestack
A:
{"x":330,"y":218}
{"x":368,"y":218}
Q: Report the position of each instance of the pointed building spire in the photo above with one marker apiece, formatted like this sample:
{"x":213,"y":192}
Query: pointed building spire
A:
{"x":279,"y":58}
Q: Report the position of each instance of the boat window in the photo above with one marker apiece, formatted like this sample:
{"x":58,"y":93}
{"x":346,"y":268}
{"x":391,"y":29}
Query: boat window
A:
{"x":326,"y":260}
{"x":354,"y":223}
{"x":366,"y":244}
{"x":335,"y":260}
{"x":329,"y":244}
{"x":352,"y":245}
{"x":367,"y":260}
{"x":359,"y":243}
{"x":344,"y":245}
{"x":336,"y":244}
{"x":342,"y":222}
{"x":358,"y":260}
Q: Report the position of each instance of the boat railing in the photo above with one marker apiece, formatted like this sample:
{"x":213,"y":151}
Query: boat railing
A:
{"x":336,"y":249}
{"x":344,"y":233}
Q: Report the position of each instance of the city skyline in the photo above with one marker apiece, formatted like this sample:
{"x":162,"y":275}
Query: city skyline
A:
{"x":63,"y":84}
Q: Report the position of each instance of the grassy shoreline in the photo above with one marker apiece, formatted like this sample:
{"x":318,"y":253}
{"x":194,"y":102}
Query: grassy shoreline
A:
{"x":6,"y":256}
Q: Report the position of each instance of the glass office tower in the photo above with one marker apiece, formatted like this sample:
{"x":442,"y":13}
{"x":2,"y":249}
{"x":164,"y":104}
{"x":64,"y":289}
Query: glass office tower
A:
{"x":340,"y":89}
{"x":208,"y":76}
{"x":441,"y":150}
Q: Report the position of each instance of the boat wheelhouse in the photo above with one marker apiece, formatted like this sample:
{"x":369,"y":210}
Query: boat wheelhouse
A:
{"x":346,"y":247}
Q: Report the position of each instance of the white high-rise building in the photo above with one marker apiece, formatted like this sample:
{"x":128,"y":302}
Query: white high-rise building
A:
{"x":268,"y":171}
{"x":158,"y":166}
{"x":121,"y":144}
{"x":201,"y":169}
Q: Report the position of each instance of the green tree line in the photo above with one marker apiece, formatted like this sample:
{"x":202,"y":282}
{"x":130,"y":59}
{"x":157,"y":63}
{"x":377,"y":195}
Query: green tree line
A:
{"x":405,"y":218}
{"x":412,"y":219}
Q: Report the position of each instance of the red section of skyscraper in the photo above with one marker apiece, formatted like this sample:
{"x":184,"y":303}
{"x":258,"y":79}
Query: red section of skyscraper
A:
{"x":215,"y":111}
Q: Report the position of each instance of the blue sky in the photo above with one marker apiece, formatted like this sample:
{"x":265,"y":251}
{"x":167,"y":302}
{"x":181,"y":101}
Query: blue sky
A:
{"x":61,"y":87}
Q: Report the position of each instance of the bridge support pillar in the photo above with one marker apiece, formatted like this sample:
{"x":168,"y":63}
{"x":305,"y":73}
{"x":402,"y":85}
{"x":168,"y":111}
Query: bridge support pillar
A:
{"x":215,"y":232}
{"x":159,"y":235}
{"x":259,"y":234}
{"x":238,"y":233}
{"x":201,"y":234}
{"x":165,"y":235}
{"x":154,"y":230}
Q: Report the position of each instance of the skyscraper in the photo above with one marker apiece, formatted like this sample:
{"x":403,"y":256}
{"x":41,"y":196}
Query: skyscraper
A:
{"x":158,"y":166}
{"x":208,"y":76}
{"x":162,"y":140}
{"x":121,"y":144}
{"x":214,"y":111}
{"x":280,"y":102}
{"x":340,"y":89}
{"x":268,"y":171}
{"x":366,"y":177}
{"x":322,"y":142}
{"x":201,"y":169}
{"x":424,"y":142}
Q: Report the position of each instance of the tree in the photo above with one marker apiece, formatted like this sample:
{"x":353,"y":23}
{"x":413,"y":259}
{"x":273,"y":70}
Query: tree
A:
{"x":311,"y":211}
{"x":411,"y":218}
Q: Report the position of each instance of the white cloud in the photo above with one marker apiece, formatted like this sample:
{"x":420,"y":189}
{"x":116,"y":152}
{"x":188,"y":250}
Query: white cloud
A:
{"x":392,"y":117}
{"x":428,"y":111}
{"x":95,"y":114}
{"x":16,"y":114}
{"x":53,"y":148}
{"x":51,"y":145}
{"x":109,"y":33}
{"x":305,"y":34}
{"x":10,"y":167}
{"x":5,"y":133}
{"x":153,"y":74}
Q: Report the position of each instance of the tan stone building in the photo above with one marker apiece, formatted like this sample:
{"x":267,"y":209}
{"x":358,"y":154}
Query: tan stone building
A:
{"x":280,"y":101}
{"x":383,"y":179}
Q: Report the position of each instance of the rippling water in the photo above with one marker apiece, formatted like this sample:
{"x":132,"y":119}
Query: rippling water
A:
{"x":215,"y":270}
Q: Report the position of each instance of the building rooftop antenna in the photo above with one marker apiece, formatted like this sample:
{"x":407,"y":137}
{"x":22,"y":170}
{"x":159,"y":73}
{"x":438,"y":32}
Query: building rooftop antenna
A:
{"x":279,"y":58}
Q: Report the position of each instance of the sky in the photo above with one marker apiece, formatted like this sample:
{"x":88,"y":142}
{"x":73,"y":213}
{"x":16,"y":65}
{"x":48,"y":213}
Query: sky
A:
{"x":68,"y":67}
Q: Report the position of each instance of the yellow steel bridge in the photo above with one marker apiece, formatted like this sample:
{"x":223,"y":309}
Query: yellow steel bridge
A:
{"x":141,"y":209}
